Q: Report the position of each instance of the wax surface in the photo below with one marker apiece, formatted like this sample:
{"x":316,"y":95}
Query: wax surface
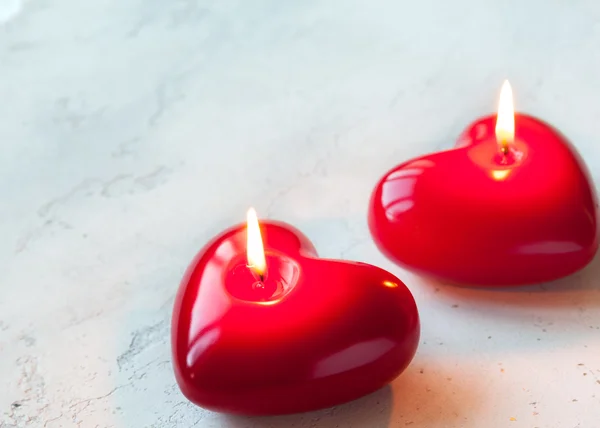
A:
{"x":472,"y":216}
{"x":313,"y":334}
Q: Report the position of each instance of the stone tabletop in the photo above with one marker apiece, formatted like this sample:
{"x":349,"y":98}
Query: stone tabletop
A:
{"x":132,"y":131}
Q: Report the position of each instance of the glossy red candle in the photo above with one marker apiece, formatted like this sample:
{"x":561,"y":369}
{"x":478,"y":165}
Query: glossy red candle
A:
{"x":313,"y":334}
{"x":472,"y":215}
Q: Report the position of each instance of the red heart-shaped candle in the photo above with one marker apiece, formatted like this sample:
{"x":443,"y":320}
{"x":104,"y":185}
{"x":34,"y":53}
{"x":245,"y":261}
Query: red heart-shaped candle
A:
{"x":314,"y":333}
{"x":472,"y":215}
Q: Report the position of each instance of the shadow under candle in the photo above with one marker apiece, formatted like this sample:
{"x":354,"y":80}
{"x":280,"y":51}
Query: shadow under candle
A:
{"x":579,"y":289}
{"x":419,"y":397}
{"x":372,"y":410}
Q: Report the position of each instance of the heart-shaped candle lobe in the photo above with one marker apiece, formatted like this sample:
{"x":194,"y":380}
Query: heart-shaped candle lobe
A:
{"x":314,"y":333}
{"x":475,"y":216}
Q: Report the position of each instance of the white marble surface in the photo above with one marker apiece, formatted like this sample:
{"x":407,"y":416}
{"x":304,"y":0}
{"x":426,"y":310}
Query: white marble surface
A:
{"x":131,"y":131}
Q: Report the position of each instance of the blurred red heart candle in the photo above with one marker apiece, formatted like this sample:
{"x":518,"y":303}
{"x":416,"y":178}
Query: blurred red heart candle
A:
{"x":275,"y":329}
{"x":511,"y":204}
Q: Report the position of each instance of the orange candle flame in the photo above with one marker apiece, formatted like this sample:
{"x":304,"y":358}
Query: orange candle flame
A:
{"x":255,"y":251}
{"x":505,"y":121}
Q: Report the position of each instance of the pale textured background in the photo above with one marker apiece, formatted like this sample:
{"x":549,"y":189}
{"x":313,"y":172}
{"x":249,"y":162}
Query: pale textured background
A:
{"x":131,"y":131}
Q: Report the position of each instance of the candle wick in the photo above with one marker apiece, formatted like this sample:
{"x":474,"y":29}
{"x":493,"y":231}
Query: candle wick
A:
{"x":261,"y":277}
{"x":504,"y":148}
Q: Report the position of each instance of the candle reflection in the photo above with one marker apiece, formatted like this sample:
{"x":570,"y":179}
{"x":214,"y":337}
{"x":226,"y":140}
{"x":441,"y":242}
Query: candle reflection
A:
{"x":398,"y":188}
{"x":500,"y":174}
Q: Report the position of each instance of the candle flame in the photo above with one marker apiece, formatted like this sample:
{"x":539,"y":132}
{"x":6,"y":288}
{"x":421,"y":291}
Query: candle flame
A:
{"x":505,"y":122}
{"x":255,"y":251}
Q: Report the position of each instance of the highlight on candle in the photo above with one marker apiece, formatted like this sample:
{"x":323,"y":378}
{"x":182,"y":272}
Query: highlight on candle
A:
{"x":500,"y":174}
{"x":505,"y":122}
{"x":255,"y":251}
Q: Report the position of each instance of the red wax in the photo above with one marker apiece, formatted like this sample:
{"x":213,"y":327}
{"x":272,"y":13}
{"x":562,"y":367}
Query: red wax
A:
{"x":473,"y":216}
{"x":313,"y":334}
